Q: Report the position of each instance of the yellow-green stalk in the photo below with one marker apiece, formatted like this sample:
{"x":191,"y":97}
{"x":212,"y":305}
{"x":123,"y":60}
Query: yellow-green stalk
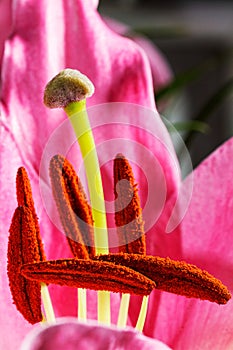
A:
{"x":123,"y":312}
{"x":48,"y":308}
{"x":82,"y":304}
{"x":142,"y":314}
{"x":69,"y":90}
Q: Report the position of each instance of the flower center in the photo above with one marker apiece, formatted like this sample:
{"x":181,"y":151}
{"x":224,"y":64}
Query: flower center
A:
{"x":130,"y":271}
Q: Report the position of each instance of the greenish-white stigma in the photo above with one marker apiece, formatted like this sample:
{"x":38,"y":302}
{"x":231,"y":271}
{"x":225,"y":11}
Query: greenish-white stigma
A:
{"x":68,"y":86}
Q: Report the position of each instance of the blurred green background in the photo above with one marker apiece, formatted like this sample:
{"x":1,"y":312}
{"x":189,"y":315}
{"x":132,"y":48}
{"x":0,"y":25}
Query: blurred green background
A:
{"x":196,"y":37}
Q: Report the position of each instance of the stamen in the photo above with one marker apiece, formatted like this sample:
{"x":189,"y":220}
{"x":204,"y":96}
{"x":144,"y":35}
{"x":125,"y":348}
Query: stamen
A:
{"x":96,"y":275}
{"x":74,"y":211}
{"x":128,"y":215}
{"x":24,"y":198}
{"x":174,"y":276}
{"x":82,"y":304}
{"x":142,"y":315}
{"x":22,"y":249}
{"x":123,"y":311}
{"x":47,"y":304}
{"x":129,"y":223}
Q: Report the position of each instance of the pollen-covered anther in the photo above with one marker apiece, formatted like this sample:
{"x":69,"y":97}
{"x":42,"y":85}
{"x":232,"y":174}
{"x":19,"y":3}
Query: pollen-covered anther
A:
{"x":23,"y":248}
{"x":174,"y":276}
{"x":74,"y":210}
{"x":24,"y":198}
{"x":128,"y":211}
{"x":96,"y":275}
{"x":67,"y":86}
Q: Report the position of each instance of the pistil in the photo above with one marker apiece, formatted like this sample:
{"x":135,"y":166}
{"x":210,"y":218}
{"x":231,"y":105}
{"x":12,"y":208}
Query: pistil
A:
{"x":69,"y":90}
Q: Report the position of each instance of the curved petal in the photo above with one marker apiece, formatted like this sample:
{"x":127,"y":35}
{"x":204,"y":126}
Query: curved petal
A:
{"x":5,"y":23}
{"x":207,"y":242}
{"x":184,"y":323}
{"x":160,"y":68}
{"x":68,"y":334}
{"x":207,"y":228}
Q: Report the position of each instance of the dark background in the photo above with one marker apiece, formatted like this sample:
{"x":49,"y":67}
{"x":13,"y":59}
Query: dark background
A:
{"x":190,"y":34}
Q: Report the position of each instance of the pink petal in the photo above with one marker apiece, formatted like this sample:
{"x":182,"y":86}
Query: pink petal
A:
{"x":207,"y":242}
{"x":184,"y":323}
{"x":5,"y":23}
{"x":207,"y":228}
{"x":69,"y":334}
{"x":160,"y":68}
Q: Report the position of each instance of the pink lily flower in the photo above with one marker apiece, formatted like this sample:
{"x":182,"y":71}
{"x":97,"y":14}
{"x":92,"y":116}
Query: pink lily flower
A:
{"x":44,"y":41}
{"x":120,"y":72}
